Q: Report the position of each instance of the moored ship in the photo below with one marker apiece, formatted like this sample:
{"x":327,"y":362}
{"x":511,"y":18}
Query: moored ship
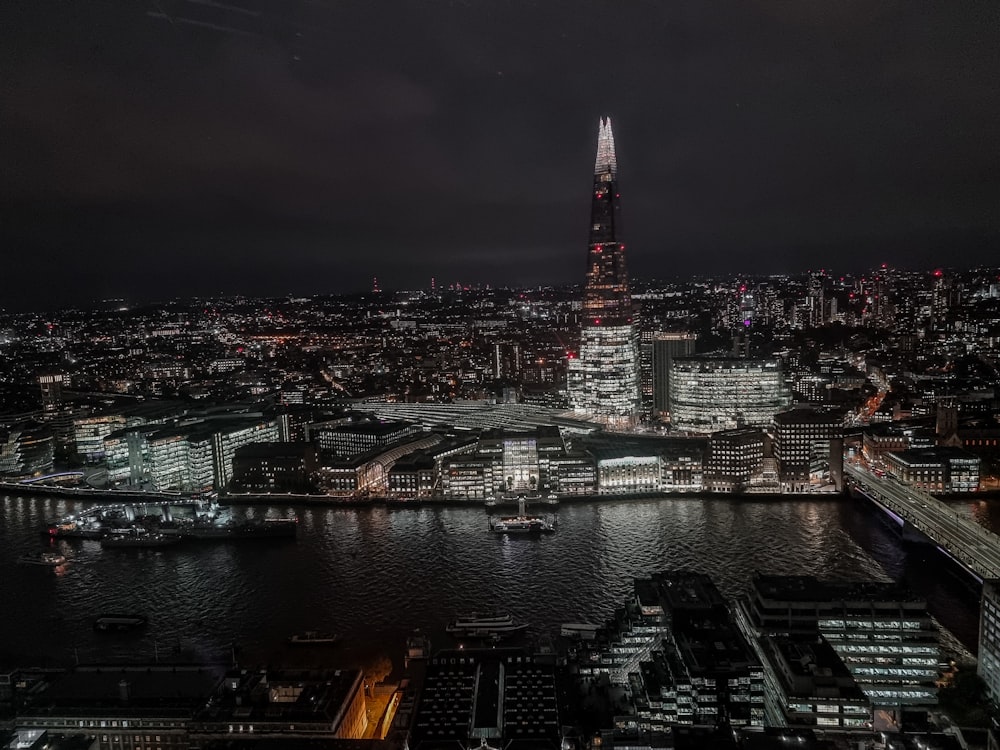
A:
{"x":314,"y":638}
{"x":522,"y":523}
{"x":269,"y":528}
{"x":484,"y":626}
{"x":138,"y":540}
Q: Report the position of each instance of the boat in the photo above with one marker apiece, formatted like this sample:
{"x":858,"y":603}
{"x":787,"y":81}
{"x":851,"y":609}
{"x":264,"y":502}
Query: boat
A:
{"x":314,"y":638}
{"x":484,"y":626}
{"x":119,"y":622}
{"x":139,"y":540}
{"x":522,"y":523}
{"x":269,"y":528}
{"x":418,"y":646}
{"x":73,"y":530}
{"x":50,"y":559}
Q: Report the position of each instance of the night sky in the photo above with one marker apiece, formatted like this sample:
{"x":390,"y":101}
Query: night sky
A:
{"x":153,"y":148}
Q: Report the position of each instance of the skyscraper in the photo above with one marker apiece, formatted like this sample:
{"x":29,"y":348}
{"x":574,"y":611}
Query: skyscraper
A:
{"x":603,"y":382}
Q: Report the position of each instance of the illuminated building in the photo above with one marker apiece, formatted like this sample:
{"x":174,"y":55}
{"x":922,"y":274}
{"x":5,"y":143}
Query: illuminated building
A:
{"x":711,"y":394}
{"x":941,"y":469}
{"x":808,"y":444}
{"x":666,"y":346}
{"x":677,"y":648}
{"x":603,"y":381}
{"x":881,"y":631}
{"x":26,"y":449}
{"x":347,"y":440}
{"x":734,"y":456}
{"x":89,"y":434}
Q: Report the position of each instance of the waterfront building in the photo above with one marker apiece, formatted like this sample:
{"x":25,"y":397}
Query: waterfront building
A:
{"x":177,"y":706}
{"x":194,"y":457}
{"x":289,"y":704}
{"x":808,"y":446}
{"x":881,"y":631}
{"x":418,"y":474}
{"x":124,"y":707}
{"x":812,"y":686}
{"x":734,"y":458}
{"x":628,"y":474}
{"x":603,"y":379}
{"x":708,"y":394}
{"x":677,"y":648}
{"x":273,"y":467}
{"x":508,"y":461}
{"x":935,"y":469}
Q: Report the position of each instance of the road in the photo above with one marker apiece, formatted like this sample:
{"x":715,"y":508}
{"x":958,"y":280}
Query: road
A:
{"x":964,"y":539}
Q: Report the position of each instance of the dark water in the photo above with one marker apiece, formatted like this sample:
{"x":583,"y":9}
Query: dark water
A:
{"x":373,"y":575}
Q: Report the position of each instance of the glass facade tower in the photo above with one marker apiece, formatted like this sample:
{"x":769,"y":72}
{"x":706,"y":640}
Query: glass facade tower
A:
{"x":603,"y":381}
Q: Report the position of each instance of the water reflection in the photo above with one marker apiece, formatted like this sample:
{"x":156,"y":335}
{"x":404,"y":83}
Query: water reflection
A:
{"x":373,"y":575}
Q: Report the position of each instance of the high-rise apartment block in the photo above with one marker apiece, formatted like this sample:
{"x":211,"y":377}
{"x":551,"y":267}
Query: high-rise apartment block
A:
{"x":603,"y":381}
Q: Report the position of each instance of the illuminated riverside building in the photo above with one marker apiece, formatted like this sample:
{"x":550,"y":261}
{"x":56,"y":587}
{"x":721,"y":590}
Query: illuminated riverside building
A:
{"x":711,"y":394}
{"x":881,"y":631}
{"x":190,"y":458}
{"x":603,"y":381}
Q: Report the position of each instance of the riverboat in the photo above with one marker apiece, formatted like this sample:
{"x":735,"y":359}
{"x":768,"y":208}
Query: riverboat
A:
{"x":269,"y":528}
{"x":73,"y":530}
{"x":314,"y":638}
{"x":484,"y":626}
{"x":49,"y":559}
{"x":119,"y":622}
{"x":522,"y":523}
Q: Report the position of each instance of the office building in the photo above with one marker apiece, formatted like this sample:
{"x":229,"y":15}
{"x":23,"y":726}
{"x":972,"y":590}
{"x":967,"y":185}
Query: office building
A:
{"x":734,"y":457}
{"x":808,"y":447}
{"x":603,"y":380}
{"x":708,"y":394}
{"x":339,"y":440}
{"x":881,"y":631}
{"x":666,"y":346}
{"x":940,"y":469}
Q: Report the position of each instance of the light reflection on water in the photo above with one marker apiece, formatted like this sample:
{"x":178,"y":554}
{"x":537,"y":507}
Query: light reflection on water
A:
{"x":375,"y":574}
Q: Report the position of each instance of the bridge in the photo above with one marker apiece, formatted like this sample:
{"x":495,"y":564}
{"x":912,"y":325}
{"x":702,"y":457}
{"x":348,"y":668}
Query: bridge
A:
{"x":959,"y":536}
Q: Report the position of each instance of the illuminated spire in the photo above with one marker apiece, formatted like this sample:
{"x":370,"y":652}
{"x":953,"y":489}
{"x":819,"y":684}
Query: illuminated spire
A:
{"x":606,"y":159}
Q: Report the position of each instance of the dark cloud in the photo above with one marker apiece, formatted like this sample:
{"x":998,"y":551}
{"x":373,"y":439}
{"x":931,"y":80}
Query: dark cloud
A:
{"x":173,"y":147}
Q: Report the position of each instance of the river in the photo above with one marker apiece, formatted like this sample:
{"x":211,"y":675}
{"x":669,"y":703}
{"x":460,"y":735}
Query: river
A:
{"x":375,"y":574}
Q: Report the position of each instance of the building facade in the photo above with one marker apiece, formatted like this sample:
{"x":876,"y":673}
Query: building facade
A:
{"x":603,"y":380}
{"x":708,"y":394}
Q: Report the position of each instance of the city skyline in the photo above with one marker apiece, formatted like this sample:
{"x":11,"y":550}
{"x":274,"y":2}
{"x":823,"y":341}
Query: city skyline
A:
{"x":160,"y":152}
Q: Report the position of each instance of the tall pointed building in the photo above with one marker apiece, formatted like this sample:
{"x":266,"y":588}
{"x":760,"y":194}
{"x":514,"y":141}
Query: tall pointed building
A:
{"x":603,"y":381}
